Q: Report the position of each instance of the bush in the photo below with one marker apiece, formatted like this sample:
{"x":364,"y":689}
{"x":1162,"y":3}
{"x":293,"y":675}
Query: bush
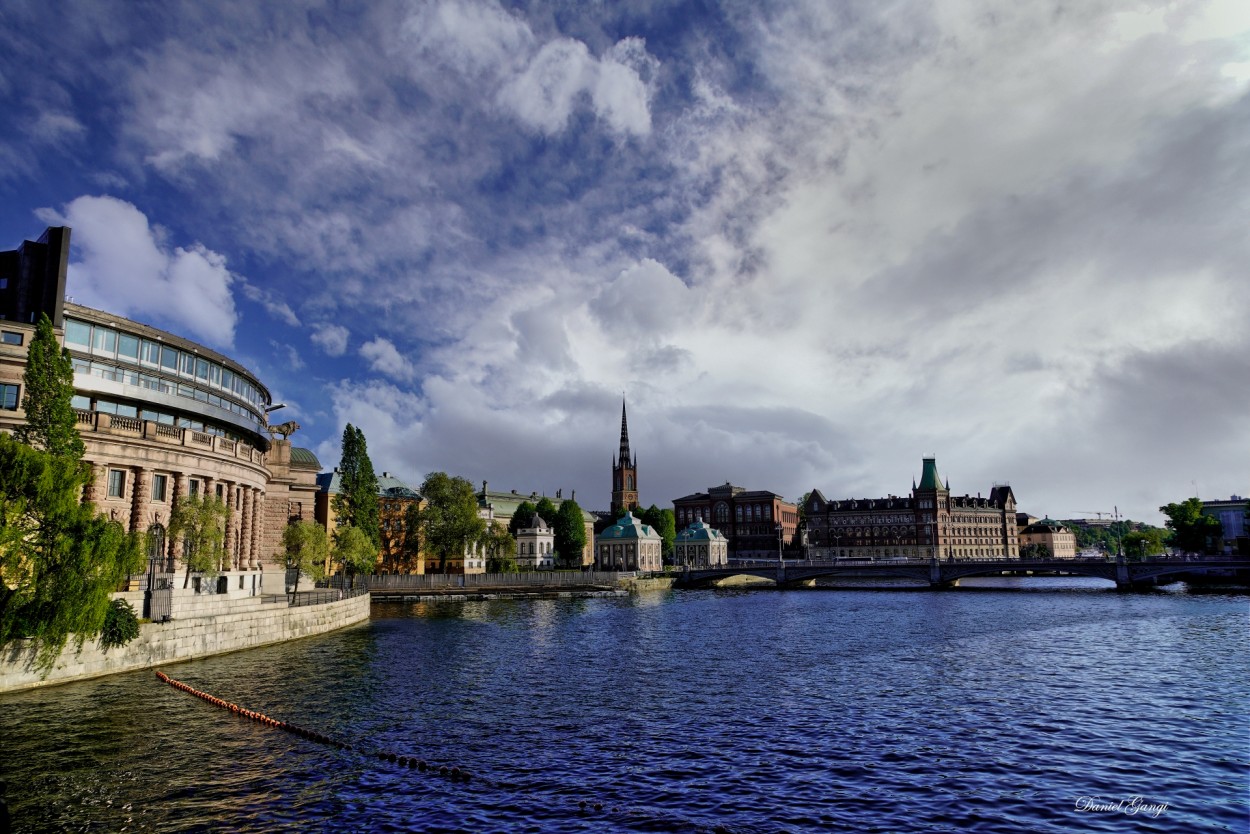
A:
{"x":120,"y":625}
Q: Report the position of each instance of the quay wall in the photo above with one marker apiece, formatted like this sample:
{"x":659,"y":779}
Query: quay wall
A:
{"x":240,"y":625}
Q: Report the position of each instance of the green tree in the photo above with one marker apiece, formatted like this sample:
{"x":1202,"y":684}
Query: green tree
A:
{"x":449,"y":519}
{"x":1192,"y":531}
{"x":410,"y":549}
{"x":305,"y":547}
{"x":356,"y":505}
{"x":500,"y":547}
{"x":49,"y":378}
{"x":354,"y":551}
{"x":1142,"y":544}
{"x":198,"y":522}
{"x":59,"y":561}
{"x":547,"y":510}
{"x":663,"y":522}
{"x":570,"y":533}
{"x":1035,"y":550}
{"x":521,"y":518}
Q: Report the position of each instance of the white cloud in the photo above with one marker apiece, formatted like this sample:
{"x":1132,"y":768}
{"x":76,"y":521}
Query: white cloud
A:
{"x":384,"y":358}
{"x":332,"y":338}
{"x":273,"y":305}
{"x":123,"y":265}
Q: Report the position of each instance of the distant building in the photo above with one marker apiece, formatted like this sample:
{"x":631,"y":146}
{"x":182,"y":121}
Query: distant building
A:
{"x":629,"y":545}
{"x":1059,"y":541}
{"x":748,"y":519}
{"x":700,"y":545}
{"x":394,"y":499}
{"x":624,"y":473}
{"x":503,"y":505}
{"x":535,"y":545}
{"x":1232,"y":517}
{"x":931,"y":522}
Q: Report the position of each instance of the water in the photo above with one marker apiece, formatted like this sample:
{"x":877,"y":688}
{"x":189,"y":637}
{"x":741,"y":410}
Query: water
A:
{"x":997,"y":709}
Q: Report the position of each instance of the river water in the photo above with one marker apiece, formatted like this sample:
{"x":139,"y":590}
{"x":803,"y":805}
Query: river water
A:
{"x":1040,"y":705}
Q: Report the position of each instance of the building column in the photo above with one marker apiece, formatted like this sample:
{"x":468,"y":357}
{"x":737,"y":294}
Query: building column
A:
{"x":140,"y":494}
{"x":245,"y":523}
{"x":94,"y":489}
{"x":258,"y":506}
{"x":232,"y":522}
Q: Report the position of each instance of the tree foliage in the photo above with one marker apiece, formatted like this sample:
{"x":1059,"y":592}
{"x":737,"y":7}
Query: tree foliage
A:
{"x":547,"y":510}
{"x":354,"y":551}
{"x":521,"y":518}
{"x":59,"y":560}
{"x":1192,"y":531}
{"x":1142,"y":544}
{"x":1035,"y":550}
{"x":500,"y":547}
{"x":49,"y":382}
{"x":356,"y":505}
{"x":198,"y":522}
{"x":663,"y":522}
{"x":570,"y":533}
{"x":121,"y":625}
{"x":449,"y":519}
{"x":305,"y":547}
{"x":400,"y":534}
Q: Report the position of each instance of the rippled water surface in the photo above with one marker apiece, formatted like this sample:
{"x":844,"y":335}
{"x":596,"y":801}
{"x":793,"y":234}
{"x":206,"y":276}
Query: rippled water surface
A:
{"x":1002,"y":708}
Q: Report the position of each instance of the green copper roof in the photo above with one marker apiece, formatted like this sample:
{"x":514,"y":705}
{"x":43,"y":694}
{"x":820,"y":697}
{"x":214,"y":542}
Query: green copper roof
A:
{"x":304,"y":457}
{"x":930,"y":479}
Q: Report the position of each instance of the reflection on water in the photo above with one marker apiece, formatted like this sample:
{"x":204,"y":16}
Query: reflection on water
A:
{"x":993,"y":709}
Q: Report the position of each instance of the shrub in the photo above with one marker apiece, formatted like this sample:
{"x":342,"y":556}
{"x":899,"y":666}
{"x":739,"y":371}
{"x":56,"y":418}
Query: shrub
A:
{"x":120,"y":625}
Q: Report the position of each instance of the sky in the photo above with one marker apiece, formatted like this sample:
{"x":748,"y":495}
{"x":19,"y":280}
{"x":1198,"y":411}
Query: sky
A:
{"x":809,"y":243}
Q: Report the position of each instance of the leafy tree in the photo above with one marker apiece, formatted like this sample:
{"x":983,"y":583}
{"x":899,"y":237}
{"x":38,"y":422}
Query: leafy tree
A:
{"x":59,"y":560}
{"x":500,"y":547}
{"x":50,"y":421}
{"x":400,"y":534}
{"x":305,"y":546}
{"x":410,"y":550}
{"x":449,"y":519}
{"x":521,"y":518}
{"x":570,"y":533}
{"x":354,"y":551}
{"x":663,"y":522}
{"x":356,"y":505}
{"x":1142,"y":544}
{"x":547,"y":509}
{"x":1035,"y":550}
{"x":1192,"y":531}
{"x":121,"y":625}
{"x":199,"y":521}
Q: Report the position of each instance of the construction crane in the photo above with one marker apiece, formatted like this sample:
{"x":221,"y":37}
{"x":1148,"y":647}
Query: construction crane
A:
{"x":1093,"y":512}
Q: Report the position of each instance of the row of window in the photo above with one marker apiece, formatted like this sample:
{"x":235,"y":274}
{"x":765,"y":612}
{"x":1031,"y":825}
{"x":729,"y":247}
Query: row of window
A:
{"x":83,"y":403}
{"x":105,"y":341}
{"x":164,"y":386}
{"x":117,"y":480}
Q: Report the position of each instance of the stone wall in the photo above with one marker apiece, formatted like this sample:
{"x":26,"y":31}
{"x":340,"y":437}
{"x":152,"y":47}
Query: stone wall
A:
{"x":244,"y":623}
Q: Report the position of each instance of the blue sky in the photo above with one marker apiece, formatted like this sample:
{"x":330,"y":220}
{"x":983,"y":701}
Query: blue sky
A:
{"x":810,"y":242}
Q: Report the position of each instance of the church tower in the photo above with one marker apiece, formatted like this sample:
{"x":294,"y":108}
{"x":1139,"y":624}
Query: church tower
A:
{"x":624,"y":473}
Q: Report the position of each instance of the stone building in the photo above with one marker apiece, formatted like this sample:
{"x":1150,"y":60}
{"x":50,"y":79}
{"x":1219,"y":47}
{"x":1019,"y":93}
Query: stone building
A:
{"x":161,"y":417}
{"x":748,"y":519}
{"x":928,"y":523}
{"x":1058,"y":540}
{"x":701,"y":545}
{"x":503,"y":505}
{"x":394,"y":498}
{"x":629,"y":545}
{"x":535,"y":545}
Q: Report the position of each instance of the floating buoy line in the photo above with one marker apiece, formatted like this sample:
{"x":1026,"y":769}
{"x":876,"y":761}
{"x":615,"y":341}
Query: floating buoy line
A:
{"x":455,"y":774}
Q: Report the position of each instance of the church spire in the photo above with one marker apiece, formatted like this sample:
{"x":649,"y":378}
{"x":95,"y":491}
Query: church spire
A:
{"x":624,"y":457}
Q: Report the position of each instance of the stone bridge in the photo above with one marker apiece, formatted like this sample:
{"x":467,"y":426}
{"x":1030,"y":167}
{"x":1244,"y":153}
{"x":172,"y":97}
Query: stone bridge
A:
{"x":945,"y":574}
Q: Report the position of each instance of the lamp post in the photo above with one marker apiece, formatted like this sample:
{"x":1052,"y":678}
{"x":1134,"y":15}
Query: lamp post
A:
{"x":780,"y":539}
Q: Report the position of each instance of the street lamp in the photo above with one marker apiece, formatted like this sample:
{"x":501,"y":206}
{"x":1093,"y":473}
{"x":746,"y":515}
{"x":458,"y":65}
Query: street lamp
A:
{"x":780,"y":538}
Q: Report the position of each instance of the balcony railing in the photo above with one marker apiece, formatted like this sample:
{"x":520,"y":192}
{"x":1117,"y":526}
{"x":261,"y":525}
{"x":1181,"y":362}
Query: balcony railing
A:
{"x":97,"y":421}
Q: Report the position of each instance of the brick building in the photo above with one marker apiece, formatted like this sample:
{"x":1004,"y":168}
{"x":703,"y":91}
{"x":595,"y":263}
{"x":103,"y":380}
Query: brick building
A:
{"x":748,"y":519}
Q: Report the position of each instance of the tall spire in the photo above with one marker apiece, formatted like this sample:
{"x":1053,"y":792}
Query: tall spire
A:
{"x":624,"y":455}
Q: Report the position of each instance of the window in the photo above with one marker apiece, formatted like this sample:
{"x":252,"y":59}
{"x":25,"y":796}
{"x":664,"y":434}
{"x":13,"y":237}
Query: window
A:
{"x":151,"y":352}
{"x":104,"y":341}
{"x":128,"y":347}
{"x":156,"y":541}
{"x":4,"y":283}
{"x":77,"y":332}
{"x":169,"y":358}
{"x":8,"y":337}
{"x":194,"y":486}
{"x":117,"y":483}
{"x":9,"y":397}
{"x":79,"y":402}
{"x":159,"y":485}
{"x":201,"y":368}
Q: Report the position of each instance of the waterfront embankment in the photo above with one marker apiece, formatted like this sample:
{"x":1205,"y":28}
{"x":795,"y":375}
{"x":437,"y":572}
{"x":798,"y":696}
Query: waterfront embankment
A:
{"x":232,"y":625}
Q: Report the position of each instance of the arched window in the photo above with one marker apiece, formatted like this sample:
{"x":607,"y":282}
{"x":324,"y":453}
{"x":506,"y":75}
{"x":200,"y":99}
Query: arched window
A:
{"x":738,"y":513}
{"x":721,"y":512}
{"x":156,"y":542}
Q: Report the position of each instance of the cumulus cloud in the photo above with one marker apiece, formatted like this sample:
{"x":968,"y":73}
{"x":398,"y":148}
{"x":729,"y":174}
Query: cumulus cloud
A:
{"x":332,"y":338}
{"x":123,"y":265}
{"x":384,"y":358}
